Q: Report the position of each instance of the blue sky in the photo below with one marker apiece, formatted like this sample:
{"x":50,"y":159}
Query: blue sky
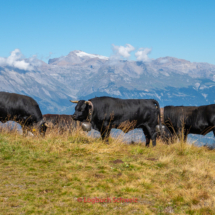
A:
{"x":182,"y":29}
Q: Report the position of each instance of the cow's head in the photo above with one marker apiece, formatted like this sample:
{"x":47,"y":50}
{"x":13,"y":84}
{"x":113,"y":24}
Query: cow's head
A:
{"x":83,"y":110}
{"x":40,"y":127}
{"x":164,"y":133}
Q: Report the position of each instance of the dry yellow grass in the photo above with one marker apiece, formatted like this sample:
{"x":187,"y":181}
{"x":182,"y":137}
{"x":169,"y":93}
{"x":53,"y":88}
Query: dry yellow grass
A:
{"x":49,"y":175}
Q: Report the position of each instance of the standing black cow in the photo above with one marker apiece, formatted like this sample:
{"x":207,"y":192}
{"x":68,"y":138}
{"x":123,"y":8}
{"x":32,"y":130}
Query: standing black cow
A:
{"x":105,"y":113}
{"x":192,"y":119}
{"x":61,"y":122}
{"x":21,"y":109}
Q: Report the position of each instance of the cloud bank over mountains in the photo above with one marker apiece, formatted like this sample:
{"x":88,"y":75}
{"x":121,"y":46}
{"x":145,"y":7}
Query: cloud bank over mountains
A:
{"x":17,"y":59}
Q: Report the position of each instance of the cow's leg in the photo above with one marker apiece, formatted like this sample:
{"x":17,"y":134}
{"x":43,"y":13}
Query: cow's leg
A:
{"x":154,"y":135}
{"x":147,"y":136}
{"x":185,"y":137}
{"x":105,"y":135}
{"x":214,"y":131}
{"x":150,"y":134}
{"x":147,"y":140}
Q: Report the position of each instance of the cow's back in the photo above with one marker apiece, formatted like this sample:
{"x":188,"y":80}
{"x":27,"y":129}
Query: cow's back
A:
{"x":194,"y":119}
{"x":116,"y":110}
{"x":177,"y":115}
{"x":17,"y":106}
{"x":64,"y":122}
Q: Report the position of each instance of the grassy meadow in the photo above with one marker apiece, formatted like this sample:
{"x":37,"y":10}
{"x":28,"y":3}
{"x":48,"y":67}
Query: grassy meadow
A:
{"x":68,"y":173}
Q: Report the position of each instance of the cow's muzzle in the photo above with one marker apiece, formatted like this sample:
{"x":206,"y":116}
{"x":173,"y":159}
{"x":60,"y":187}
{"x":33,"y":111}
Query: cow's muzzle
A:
{"x":74,"y":116}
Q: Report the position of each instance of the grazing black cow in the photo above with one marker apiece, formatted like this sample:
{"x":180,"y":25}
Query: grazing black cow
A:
{"x":192,"y":119}
{"x":105,"y":113}
{"x":61,"y":122}
{"x":22,"y":109}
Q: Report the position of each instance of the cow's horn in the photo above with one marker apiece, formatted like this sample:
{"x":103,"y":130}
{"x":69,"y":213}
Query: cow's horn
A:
{"x":46,"y":124}
{"x":74,"y":101}
{"x":87,"y":102}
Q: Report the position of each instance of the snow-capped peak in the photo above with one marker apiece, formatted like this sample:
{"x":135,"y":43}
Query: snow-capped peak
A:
{"x":84,"y":54}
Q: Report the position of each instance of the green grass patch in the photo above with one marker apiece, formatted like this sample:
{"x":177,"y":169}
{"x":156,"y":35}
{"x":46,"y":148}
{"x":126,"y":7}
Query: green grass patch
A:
{"x":56,"y":174}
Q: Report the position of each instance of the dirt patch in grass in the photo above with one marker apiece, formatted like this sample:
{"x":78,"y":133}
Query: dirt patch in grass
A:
{"x":116,"y":161}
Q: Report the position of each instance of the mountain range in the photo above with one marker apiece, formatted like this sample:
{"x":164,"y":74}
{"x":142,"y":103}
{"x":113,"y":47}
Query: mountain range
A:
{"x":80,"y":75}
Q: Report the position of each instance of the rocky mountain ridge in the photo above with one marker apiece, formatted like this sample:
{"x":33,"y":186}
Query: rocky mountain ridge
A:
{"x":80,"y":75}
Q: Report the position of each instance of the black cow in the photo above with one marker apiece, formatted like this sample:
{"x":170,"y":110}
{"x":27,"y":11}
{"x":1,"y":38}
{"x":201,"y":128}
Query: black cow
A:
{"x":105,"y":113}
{"x":61,"y":122}
{"x":22,"y":109}
{"x":192,"y":119}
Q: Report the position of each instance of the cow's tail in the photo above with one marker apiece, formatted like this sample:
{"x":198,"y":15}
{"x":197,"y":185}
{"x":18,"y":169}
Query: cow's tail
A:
{"x":159,"y":115}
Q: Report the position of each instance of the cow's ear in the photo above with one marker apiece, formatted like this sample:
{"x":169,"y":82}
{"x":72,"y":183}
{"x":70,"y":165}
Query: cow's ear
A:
{"x":89,"y":103}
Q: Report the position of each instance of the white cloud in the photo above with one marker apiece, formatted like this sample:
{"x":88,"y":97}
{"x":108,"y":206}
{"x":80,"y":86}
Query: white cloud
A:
{"x":142,"y":54}
{"x":16,"y":59}
{"x":123,"y":51}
